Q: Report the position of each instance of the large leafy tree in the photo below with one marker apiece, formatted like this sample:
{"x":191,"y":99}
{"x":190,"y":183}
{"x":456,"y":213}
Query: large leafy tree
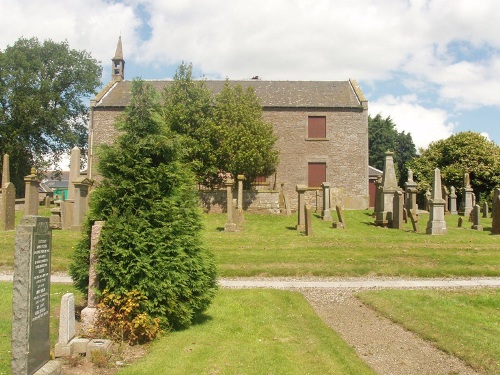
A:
{"x":383,"y":136}
{"x":151,"y":240}
{"x":43,"y":90}
{"x":223,"y":132}
{"x":465,"y":152}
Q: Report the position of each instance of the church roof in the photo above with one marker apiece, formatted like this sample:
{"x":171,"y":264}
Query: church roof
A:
{"x":273,"y":94}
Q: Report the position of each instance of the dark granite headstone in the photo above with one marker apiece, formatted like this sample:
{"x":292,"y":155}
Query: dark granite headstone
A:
{"x":31,"y":295}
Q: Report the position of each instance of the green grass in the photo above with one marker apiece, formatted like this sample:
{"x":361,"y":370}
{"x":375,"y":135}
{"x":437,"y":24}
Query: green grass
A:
{"x":463,"y":323}
{"x":253,"y":332}
{"x":270,"y":246}
{"x":56,"y":292}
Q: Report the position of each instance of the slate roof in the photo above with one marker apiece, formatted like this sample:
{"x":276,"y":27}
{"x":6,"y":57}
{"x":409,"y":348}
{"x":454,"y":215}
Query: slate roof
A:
{"x":273,"y":94}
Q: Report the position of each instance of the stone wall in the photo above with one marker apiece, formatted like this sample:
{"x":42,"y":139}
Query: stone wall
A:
{"x":214,"y":201}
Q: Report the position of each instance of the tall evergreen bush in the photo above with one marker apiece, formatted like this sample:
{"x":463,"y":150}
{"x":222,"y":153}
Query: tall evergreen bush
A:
{"x":151,"y":240}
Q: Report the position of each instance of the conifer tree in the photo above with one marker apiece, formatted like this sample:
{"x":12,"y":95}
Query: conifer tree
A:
{"x":151,"y":239}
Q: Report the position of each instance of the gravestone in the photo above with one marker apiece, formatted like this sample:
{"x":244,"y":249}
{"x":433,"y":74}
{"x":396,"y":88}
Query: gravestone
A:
{"x":476,"y":221}
{"x":283,"y":199}
{"x":397,"y":215}
{"x":8,"y":203}
{"x":308,"y":220}
{"x":74,"y":171}
{"x":495,"y":214}
{"x":89,"y":312}
{"x":55,"y":216}
{"x":341,"y":223}
{"x":240,"y":192}
{"x":460,"y":222}
{"x":427,"y":199}
{"x":378,"y":195}
{"x":466,"y":204}
{"x":383,"y":217}
{"x":326,"y":213}
{"x":485,"y":209}
{"x":496,"y":194}
{"x":66,"y":326}
{"x":301,"y":189}
{"x":80,"y":202}
{"x":445,"y":196}
{"x":436,"y":224}
{"x":230,"y":225}
{"x":31,"y":193}
{"x":413,"y":215}
{"x":31,"y":295}
{"x":453,"y":201}
{"x":47,"y":202}
{"x":410,"y":193}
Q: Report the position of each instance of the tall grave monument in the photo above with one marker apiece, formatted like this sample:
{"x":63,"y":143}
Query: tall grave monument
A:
{"x":411,"y":193}
{"x":436,"y":223}
{"x":383,"y":215}
{"x":466,"y":204}
{"x":8,"y":209}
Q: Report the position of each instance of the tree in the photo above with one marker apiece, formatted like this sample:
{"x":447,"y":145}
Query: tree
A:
{"x":465,"y":152}
{"x":151,"y":241}
{"x":42,"y":110}
{"x":246,"y":141}
{"x":223,"y":133}
{"x":382,"y":137}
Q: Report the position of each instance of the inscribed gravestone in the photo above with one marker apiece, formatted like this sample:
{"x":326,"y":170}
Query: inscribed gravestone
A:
{"x":383,"y":216}
{"x":8,"y":206}
{"x":31,"y":295}
{"x":436,"y":223}
{"x":476,"y":221}
{"x":495,"y":225}
{"x":66,"y":326}
{"x":308,"y":220}
{"x":453,"y":201}
{"x":397,"y":215}
{"x":485,"y":209}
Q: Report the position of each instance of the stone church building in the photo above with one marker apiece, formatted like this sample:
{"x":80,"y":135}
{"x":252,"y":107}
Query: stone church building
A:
{"x":322,"y":130}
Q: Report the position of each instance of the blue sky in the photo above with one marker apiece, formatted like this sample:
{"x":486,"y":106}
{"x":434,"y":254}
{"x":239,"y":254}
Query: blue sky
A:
{"x":432,"y":65}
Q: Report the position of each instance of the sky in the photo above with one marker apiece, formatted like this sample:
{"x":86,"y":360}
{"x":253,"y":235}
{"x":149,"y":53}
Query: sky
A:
{"x":433,"y":66}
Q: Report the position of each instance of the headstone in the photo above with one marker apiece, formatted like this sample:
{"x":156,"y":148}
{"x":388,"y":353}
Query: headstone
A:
{"x":301,"y":189}
{"x":445,"y":196}
{"x":74,"y":171}
{"x":411,"y":192}
{"x":473,"y":199}
{"x":80,"y":206}
{"x":477,"y":224}
{"x":496,"y":194}
{"x":240,"y":192}
{"x":230,"y":225}
{"x":31,"y":295}
{"x":453,"y":201}
{"x":383,"y":217}
{"x":47,"y":202}
{"x":8,"y":212}
{"x":326,"y":213}
{"x":397,"y":216}
{"x":66,"y":326}
{"x":378,"y":195}
{"x":460,"y":222}
{"x":308,"y":220}
{"x":31,"y":194}
{"x":55,"y":216}
{"x":405,"y":215}
{"x":485,"y":209}
{"x":5,"y":169}
{"x":495,"y":224}
{"x":413,"y":215}
{"x":341,"y":223}
{"x":466,"y":204}
{"x":436,"y":224}
{"x":88,"y":314}
{"x":427,"y":198}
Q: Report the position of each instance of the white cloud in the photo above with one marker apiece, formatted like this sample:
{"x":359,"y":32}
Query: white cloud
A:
{"x":425,"y":125}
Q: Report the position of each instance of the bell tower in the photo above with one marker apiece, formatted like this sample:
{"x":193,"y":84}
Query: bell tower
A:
{"x":118,"y":66}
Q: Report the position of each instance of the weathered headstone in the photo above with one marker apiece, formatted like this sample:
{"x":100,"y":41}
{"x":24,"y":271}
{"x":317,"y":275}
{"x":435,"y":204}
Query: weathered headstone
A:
{"x":495,"y":214}
{"x":74,"y":171}
{"x":47,"y":202}
{"x":445,"y":196}
{"x":436,"y":224}
{"x":341,"y":223}
{"x":378,"y":195}
{"x":301,"y":189}
{"x":5,"y":169}
{"x":397,"y":212}
{"x":496,"y":195}
{"x":80,"y":206}
{"x":55,"y":216}
{"x":230,"y":225}
{"x":283,"y":202}
{"x":383,"y":217}
{"x":411,"y":192}
{"x":240,"y":178}
{"x":8,"y":212}
{"x":326,"y":213}
{"x":476,"y":221}
{"x":413,"y":215}
{"x":31,"y":193}
{"x":460,"y":222}
{"x":466,"y":204}
{"x":66,"y":326}
{"x":485,"y":209}
{"x":31,"y":295}
{"x":453,"y":201}
{"x":427,"y":199}
{"x":308,"y":220}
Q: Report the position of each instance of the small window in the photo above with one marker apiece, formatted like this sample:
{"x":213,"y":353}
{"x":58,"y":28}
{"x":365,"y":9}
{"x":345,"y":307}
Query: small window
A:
{"x":316,"y":174}
{"x":316,"y":127}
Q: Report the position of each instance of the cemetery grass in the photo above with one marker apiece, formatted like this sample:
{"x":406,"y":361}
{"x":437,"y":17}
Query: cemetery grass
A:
{"x":253,"y":332}
{"x":56,"y":292}
{"x":464,"y":323}
{"x":63,"y":243}
{"x":269,"y":246}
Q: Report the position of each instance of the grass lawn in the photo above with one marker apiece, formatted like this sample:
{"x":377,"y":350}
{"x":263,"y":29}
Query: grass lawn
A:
{"x":56,"y":292}
{"x":463,"y":323}
{"x":270,"y":246}
{"x":253,"y":332}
